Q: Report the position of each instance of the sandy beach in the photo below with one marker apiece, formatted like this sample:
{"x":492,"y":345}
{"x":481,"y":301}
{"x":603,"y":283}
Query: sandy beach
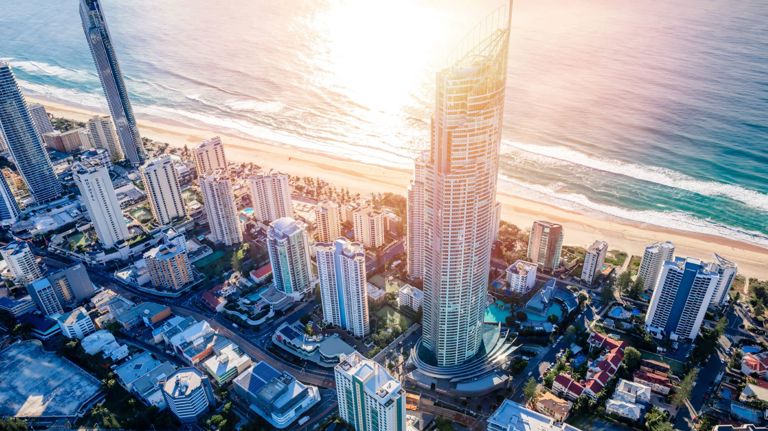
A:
{"x":580,"y":229}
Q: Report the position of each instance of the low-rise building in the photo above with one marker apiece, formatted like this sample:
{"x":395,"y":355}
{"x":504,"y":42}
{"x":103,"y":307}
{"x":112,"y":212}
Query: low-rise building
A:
{"x":104,"y":342}
{"x":521,"y":277}
{"x":757,"y":392}
{"x":75,"y":324}
{"x":194,"y":343}
{"x":755,"y":364}
{"x":17,"y":307}
{"x":629,"y":400}
{"x":148,"y":313}
{"x":376,"y":295}
{"x":658,"y":382}
{"x":624,"y":409}
{"x":41,"y":327}
{"x":226,"y":363}
{"x":511,"y":416}
{"x":188,"y":394}
{"x":277,"y":397}
{"x":411,"y":297}
{"x":323,"y":350}
{"x":261,"y":274}
{"x":552,"y":406}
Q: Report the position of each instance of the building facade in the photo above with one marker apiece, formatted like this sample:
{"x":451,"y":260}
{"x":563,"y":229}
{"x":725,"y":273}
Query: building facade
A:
{"x":72,"y":284}
{"x":209,"y":156}
{"x":680,"y":299}
{"x":169,"y":267}
{"x":521,"y":277}
{"x":368,"y":225}
{"x":727,"y":271}
{"x":161,"y":183}
{"x":103,"y":135}
{"x":344,"y":285}
{"x":98,"y":195}
{"x":24,"y":143}
{"x":653,"y":260}
{"x":220,"y":208}
{"x":76,"y":324}
{"x":188,"y":394}
{"x":328,"y":221}
{"x":75,"y":140}
{"x":594,"y":260}
{"x":107,"y":67}
{"x":415,"y":228}
{"x":545,"y":244}
{"x":271,"y":197}
{"x":288,"y":248}
{"x":40,"y":119}
{"x":460,"y":195}
{"x":370,"y":399}
{"x":44,"y":296}
{"x":21,"y":262}
{"x":9,"y":208}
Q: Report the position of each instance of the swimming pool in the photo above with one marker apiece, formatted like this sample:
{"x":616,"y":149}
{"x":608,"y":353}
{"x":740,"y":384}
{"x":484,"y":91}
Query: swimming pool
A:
{"x":554,"y":309}
{"x":497,"y":312}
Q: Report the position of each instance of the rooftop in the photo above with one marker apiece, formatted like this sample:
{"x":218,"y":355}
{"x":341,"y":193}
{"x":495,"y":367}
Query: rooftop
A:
{"x":511,"y":416}
{"x":39,"y":384}
{"x":183,"y":382}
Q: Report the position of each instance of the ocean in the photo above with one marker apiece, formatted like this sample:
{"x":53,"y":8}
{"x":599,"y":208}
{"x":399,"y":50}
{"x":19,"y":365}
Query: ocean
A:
{"x":655,"y":112}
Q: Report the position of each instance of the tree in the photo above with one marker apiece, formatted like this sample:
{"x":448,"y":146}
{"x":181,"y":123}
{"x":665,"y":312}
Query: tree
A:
{"x":632,"y":358}
{"x":12,"y":424}
{"x":637,"y":288}
{"x":606,"y":294}
{"x":625,"y":278}
{"x":530,"y":389}
{"x":685,"y":388}
{"x":656,"y":420}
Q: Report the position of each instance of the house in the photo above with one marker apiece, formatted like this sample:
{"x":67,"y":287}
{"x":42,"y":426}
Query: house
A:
{"x":566,"y":386}
{"x":262,"y":274}
{"x":658,"y":382}
{"x":755,"y":364}
{"x":552,"y":405}
{"x":629,"y":400}
{"x":754,"y":391}
{"x":624,"y":409}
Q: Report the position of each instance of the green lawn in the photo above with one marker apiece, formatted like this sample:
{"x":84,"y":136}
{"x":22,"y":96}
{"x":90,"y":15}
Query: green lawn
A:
{"x":78,"y":239}
{"x":215,"y":264}
{"x":141,"y":214}
{"x":616,"y":258}
{"x":634,"y":264}
{"x":389,"y":317}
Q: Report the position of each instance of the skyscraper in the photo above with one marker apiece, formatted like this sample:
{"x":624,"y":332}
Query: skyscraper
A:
{"x":415,"y":229}
{"x":680,"y":299}
{"x":72,"y":284}
{"x":727,"y":271}
{"x":271,"y":197}
{"x":44,"y":295}
{"x":594,"y":260}
{"x":288,"y":248}
{"x":460,"y":194}
{"x":21,"y":262}
{"x":368,"y":224}
{"x":161,"y":182}
{"x":108,"y":69}
{"x":220,"y":208}
{"x":209,"y":156}
{"x":545,"y":243}
{"x":370,"y":399}
{"x":98,"y":195}
{"x":9,"y":209}
{"x":328,"y":221}
{"x":344,"y":285}
{"x":40,"y":119}
{"x":653,"y":260}
{"x":103,"y":135}
{"x":24,"y":143}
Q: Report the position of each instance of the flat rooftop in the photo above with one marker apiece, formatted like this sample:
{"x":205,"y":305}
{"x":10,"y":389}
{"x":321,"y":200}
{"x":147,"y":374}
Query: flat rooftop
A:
{"x":37,"y":384}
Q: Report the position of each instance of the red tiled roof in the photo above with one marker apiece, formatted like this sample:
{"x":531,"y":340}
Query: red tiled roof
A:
{"x":569,"y":384}
{"x":211,"y":300}
{"x":262,"y":272}
{"x":594,"y":386}
{"x":657,"y":378}
{"x":756,"y":363}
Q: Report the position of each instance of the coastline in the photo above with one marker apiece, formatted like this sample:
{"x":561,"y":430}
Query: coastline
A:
{"x":580,"y":229}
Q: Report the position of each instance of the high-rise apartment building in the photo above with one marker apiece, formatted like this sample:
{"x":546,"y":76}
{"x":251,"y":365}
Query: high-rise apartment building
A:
{"x":75,"y":140}
{"x":40,"y":119}
{"x":76,"y":324}
{"x":368,"y":224}
{"x":103,"y":135}
{"x":415,"y":229}
{"x":21,"y":262}
{"x":328,"y":221}
{"x":521,"y":277}
{"x":460,"y":195}
{"x":72,"y":284}
{"x":24,"y":143}
{"x":188,"y":393}
{"x":344,"y":285}
{"x":288,"y":247}
{"x":220,"y":209}
{"x":169,"y":267}
{"x":594,"y":260}
{"x":370,"y":399}
{"x":98,"y":195}
{"x":44,"y":295}
{"x":9,"y":208}
{"x":209,"y":156}
{"x":726,"y":270}
{"x":680,"y":299}
{"x":161,"y":183}
{"x":545,"y":244}
{"x":108,"y":69}
{"x":271,"y":197}
{"x":653,"y":260}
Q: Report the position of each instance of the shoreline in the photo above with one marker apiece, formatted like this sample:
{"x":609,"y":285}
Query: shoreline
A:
{"x":580,"y":229}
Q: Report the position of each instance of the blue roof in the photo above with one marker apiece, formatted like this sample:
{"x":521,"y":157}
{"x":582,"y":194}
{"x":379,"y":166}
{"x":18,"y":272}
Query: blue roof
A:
{"x":261,"y":374}
{"x":289,"y":332}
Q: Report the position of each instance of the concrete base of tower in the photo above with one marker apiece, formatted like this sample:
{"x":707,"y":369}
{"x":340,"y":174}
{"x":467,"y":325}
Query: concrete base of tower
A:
{"x":478,"y":376}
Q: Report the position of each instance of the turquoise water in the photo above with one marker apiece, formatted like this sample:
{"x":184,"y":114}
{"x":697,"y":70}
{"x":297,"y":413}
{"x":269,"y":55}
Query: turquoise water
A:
{"x":497,"y":312}
{"x":554,"y":308}
{"x":247,"y":211}
{"x":255,"y":296}
{"x":650,"y":111}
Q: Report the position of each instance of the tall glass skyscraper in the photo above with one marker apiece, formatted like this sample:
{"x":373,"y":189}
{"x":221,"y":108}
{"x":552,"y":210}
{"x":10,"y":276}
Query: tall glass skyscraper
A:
{"x":97,"y":34}
{"x":460,"y":193}
{"x":23,"y":141}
